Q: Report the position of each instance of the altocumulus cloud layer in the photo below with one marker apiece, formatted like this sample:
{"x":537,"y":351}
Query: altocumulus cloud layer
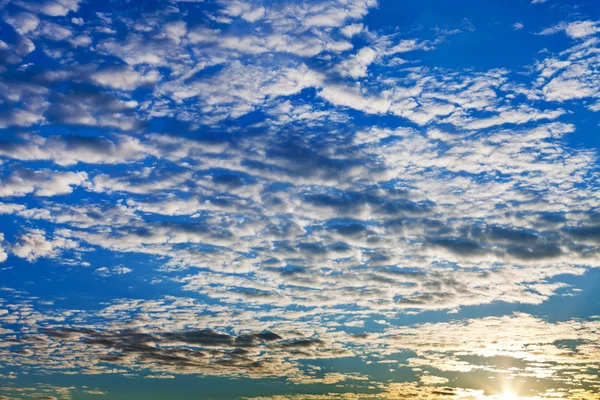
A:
{"x":303,"y":193}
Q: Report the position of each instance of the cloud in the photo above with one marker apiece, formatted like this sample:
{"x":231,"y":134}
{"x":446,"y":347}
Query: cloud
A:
{"x":405,"y":46}
{"x":43,"y":183}
{"x":23,"y":22}
{"x":106,"y":272}
{"x":256,"y":354}
{"x":125,"y":78}
{"x":33,"y":244}
{"x":19,"y":118}
{"x":42,"y":391}
{"x":168,"y":337}
{"x":350,"y":97}
{"x":3,"y":254}
{"x":88,"y":108}
{"x":433,"y":380}
{"x":575,"y":30}
{"x":258,"y":163}
{"x":518,"y":116}
{"x":412,"y":390}
{"x":571,"y":75}
{"x":356,"y":67}
{"x":53,"y":8}
{"x":352,"y":30}
{"x":246,"y":11}
{"x":520,"y":333}
{"x":68,"y":150}
{"x":239,"y":89}
{"x":52,"y":31}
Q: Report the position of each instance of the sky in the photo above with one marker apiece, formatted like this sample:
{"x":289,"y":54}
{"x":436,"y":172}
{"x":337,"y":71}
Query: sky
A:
{"x":300,"y":199}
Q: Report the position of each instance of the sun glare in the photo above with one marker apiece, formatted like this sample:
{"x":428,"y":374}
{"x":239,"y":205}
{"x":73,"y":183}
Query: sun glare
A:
{"x":508,"y":396}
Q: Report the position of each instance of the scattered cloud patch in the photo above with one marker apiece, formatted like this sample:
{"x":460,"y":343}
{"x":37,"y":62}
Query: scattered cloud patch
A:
{"x":106,"y":272}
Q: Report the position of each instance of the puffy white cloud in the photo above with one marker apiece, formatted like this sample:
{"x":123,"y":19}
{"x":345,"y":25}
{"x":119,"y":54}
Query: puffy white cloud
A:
{"x":3,"y":254}
{"x":575,"y":30}
{"x":340,"y":95}
{"x":125,"y":78}
{"x":515,"y":116}
{"x":52,"y":31}
{"x":19,"y":118}
{"x":582,"y":29}
{"x":572,"y":75}
{"x":239,"y":89}
{"x":33,"y":244}
{"x":53,"y":8}
{"x":8,"y":208}
{"x":23,"y":23}
{"x":352,"y":30}
{"x":69,"y":150}
{"x":357,"y":65}
{"x":44,"y":183}
{"x":566,"y":89}
{"x":175,"y":31}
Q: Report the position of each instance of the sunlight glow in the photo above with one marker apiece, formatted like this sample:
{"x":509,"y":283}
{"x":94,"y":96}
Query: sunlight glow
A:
{"x":508,"y":395}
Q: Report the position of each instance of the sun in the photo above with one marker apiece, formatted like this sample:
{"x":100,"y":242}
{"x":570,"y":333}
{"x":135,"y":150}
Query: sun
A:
{"x":508,"y":395}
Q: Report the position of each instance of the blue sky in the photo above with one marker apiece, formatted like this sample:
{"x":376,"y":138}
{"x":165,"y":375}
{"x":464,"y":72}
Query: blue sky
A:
{"x":328,"y":199}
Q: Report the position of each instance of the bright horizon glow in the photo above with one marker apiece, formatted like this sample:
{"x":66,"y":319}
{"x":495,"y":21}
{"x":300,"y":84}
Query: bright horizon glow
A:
{"x":508,"y":395}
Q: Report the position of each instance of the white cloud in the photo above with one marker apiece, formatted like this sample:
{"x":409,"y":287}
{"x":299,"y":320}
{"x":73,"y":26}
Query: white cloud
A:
{"x":3,"y":255}
{"x":70,"y":150}
{"x":239,"y":89}
{"x":575,"y":30}
{"x":357,"y":65}
{"x":351,"y":97}
{"x":33,"y":245}
{"x":8,"y":208}
{"x":405,"y":46}
{"x":582,"y":29}
{"x":44,"y":183}
{"x":81,"y":41}
{"x":23,"y":23}
{"x":560,"y":89}
{"x":19,"y":117}
{"x":106,"y":272}
{"x":52,"y":31}
{"x":254,"y":15}
{"x":55,"y":8}
{"x":125,"y":78}
{"x":518,"y":116}
{"x":352,"y":30}
{"x":175,"y":31}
